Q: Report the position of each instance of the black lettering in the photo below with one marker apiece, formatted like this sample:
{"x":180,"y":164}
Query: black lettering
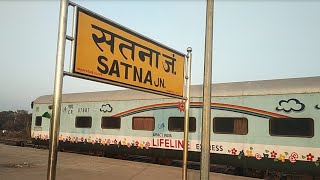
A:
{"x":198,"y":146}
{"x":114,"y":69}
{"x":221,"y":148}
{"x":103,"y":38}
{"x":148,"y":78}
{"x":102,"y":61}
{"x":137,"y":74}
{"x":126,"y":69}
{"x":160,"y":83}
{"x":156,"y":84}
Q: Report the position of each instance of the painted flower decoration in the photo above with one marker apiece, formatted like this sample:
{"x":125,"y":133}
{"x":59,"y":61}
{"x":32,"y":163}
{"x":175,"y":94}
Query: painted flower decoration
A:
{"x":108,"y":142}
{"x":282,"y":158}
{"x":64,"y":139}
{"x":292,"y":159}
{"x":273,"y":154}
{"x":147,"y":145}
{"x":317,"y":163}
{"x":115,"y":141}
{"x":129,"y":145}
{"x":76,"y":140}
{"x":258,"y":156}
{"x":99,"y":140}
{"x":233,"y":151}
{"x":82,"y":139}
{"x":249,"y":153}
{"x":310,"y":157}
{"x":181,"y":107}
{"x":93,"y":141}
{"x":141,"y":145}
{"x":137,"y":143}
{"x":124,"y":141}
{"x":241,"y":153}
{"x":295,"y":155}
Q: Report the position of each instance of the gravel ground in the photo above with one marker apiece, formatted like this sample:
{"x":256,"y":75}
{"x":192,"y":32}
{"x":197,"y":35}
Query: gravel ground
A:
{"x":25,"y":163}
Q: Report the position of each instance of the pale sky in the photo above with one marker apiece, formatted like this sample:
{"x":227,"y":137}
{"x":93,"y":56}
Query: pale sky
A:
{"x":253,"y":40}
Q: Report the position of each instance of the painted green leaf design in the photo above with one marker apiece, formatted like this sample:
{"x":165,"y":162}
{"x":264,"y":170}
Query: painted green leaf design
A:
{"x":239,"y":157}
{"x":303,"y":157}
{"x":286,"y":153}
{"x":275,"y":159}
{"x":251,"y":148}
{"x":229,"y":151}
{"x":267,"y":151}
{"x":316,"y":163}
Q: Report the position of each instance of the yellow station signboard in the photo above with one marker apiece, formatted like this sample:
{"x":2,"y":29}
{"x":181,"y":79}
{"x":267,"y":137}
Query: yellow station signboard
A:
{"x":109,"y":51}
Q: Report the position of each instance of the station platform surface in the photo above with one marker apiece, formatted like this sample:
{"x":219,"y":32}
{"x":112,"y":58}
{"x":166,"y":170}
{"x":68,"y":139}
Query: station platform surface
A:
{"x":28,"y":163}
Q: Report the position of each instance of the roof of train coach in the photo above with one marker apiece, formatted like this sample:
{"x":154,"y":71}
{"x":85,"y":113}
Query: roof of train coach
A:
{"x":248,"y":88}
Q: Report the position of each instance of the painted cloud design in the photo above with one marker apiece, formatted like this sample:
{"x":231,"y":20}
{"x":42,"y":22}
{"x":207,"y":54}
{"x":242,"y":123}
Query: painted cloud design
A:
{"x":106,"y":108}
{"x":290,"y":105}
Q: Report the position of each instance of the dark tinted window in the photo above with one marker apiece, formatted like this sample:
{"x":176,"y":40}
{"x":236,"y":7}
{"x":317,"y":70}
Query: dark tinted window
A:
{"x":143,"y":123}
{"x":83,"y":122}
{"x":38,"y":121}
{"x":297,"y":127}
{"x":177,"y":124}
{"x":110,"y":122}
{"x":230,"y":125}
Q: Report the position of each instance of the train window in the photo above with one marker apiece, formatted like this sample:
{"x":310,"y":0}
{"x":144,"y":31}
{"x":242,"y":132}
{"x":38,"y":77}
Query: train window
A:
{"x":83,"y":122}
{"x":38,"y":121}
{"x":143,"y":123}
{"x":230,"y":125}
{"x":292,"y":127}
{"x":176,"y":124}
{"x":110,"y":122}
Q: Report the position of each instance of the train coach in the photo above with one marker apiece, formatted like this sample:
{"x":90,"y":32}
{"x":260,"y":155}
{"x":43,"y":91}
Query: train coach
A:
{"x":267,"y":125}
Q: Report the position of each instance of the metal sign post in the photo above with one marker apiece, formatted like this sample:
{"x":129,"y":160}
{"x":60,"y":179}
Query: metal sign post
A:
{"x":135,"y":62}
{"x":206,"y":112}
{"x":186,"y":115}
{"x":56,"y":111}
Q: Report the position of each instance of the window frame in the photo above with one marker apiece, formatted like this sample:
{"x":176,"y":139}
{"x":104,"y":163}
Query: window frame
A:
{"x":190,"y":118}
{"x":118,"y":119}
{"x":233,"y":133}
{"x":75,"y":122}
{"x":36,"y":124}
{"x":296,"y":136}
{"x":153,"y":124}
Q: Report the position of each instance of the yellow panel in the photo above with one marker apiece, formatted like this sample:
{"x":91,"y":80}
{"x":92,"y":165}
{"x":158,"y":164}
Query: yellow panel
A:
{"x":109,"y":51}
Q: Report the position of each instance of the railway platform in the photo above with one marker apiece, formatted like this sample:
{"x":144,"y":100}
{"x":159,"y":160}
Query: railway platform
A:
{"x":28,"y":163}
